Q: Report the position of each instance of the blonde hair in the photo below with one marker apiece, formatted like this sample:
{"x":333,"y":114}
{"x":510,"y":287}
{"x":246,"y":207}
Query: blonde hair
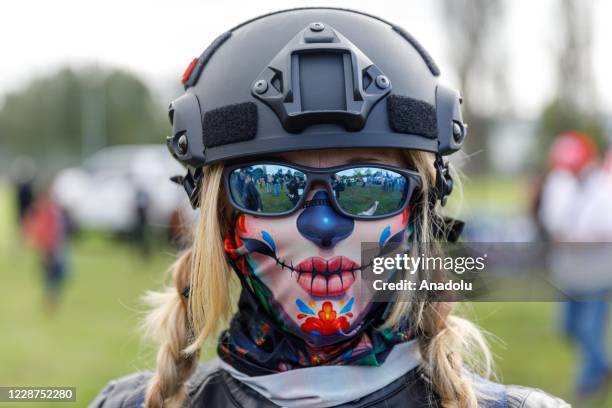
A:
{"x":449,"y":344}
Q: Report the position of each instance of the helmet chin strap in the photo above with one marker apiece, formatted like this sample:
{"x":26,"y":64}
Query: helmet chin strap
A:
{"x":444,"y":181}
{"x":444,"y":228}
{"x":192,"y":183}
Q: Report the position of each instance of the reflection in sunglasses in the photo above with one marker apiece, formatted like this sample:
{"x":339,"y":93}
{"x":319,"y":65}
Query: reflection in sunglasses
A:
{"x":274,"y":189}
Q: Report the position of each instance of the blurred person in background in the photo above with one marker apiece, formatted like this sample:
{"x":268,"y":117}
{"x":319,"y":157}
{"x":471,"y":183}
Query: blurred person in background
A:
{"x":46,"y":227}
{"x":142,"y":203}
{"x":305,"y":333}
{"x":574,"y":206}
{"x":23,"y":171}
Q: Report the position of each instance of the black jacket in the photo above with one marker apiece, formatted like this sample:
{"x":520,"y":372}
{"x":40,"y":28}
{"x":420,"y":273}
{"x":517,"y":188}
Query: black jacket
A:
{"x":217,"y":389}
{"x":251,"y":197}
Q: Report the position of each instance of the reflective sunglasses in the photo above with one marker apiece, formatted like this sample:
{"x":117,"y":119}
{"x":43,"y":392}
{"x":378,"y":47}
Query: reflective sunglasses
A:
{"x":358,"y":191}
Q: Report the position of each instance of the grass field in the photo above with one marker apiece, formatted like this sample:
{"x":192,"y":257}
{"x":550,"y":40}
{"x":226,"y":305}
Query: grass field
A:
{"x":94,"y":335}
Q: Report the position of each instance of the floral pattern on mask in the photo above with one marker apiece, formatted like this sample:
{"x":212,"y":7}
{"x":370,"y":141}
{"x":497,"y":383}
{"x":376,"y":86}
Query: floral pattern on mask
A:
{"x":327,"y":320}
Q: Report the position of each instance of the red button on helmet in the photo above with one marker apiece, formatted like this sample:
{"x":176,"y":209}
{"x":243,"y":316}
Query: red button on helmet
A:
{"x":188,"y":71}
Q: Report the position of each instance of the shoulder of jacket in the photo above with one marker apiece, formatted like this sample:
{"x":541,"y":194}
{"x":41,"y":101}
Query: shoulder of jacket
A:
{"x":124,"y":392}
{"x":129,"y":391}
{"x":525,"y":397}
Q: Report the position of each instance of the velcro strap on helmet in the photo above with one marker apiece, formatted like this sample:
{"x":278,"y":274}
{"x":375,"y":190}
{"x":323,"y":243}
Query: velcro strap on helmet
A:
{"x":230,"y":124}
{"x":408,"y":115}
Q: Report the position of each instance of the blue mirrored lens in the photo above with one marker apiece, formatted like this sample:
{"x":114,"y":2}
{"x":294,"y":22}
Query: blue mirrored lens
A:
{"x":267,"y":188}
{"x":370,"y":191}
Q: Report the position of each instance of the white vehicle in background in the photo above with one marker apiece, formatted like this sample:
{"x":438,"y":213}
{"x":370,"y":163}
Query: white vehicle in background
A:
{"x":102,"y":193}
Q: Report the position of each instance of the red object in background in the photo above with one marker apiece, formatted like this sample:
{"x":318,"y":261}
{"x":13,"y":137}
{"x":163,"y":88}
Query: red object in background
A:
{"x":572,"y":151}
{"x":43,"y":226}
{"x":188,"y":71}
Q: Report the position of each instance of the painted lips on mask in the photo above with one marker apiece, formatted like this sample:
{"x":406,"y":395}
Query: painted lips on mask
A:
{"x":321,"y":277}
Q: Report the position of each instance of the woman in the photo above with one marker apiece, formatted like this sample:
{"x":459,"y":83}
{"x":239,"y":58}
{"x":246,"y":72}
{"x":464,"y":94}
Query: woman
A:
{"x":323,"y":94}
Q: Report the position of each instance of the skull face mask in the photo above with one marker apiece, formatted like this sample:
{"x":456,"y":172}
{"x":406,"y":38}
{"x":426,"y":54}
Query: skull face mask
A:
{"x":305,"y":267}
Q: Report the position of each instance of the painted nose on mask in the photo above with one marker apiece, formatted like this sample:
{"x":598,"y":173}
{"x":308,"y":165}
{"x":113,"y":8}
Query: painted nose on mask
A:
{"x":321,"y":224}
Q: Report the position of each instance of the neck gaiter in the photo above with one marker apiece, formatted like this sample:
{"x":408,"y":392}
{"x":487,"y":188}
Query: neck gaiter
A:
{"x":302,"y":302}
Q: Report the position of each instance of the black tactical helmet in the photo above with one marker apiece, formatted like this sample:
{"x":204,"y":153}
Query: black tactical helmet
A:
{"x":312,"y":78}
